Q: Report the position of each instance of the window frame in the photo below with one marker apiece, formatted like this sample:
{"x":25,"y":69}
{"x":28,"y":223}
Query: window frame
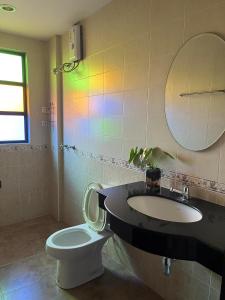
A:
{"x":22,"y":84}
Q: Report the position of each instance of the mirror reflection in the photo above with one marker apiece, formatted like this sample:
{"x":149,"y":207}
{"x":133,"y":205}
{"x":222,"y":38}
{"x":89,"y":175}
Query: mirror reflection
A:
{"x":195,"y":92}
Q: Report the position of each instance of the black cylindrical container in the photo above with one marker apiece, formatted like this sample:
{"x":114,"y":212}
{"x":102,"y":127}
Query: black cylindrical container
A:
{"x":153,"y":176}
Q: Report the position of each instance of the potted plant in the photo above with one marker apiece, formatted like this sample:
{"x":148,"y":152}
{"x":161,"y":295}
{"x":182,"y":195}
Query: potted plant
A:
{"x":146,"y":159}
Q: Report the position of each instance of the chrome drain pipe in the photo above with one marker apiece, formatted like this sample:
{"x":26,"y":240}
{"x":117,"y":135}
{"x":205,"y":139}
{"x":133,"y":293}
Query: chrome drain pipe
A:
{"x":167,"y":265}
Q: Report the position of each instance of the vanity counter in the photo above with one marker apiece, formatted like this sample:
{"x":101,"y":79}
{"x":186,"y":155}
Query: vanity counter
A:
{"x":202,"y":241}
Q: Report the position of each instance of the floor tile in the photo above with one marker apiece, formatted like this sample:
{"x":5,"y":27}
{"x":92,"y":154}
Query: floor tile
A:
{"x":27,"y":273}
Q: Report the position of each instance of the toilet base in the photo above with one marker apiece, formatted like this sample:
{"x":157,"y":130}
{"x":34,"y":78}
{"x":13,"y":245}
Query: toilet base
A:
{"x":71,"y":275}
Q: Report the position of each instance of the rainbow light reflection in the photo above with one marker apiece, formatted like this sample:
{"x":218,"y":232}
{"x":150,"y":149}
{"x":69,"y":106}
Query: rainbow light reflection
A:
{"x":89,"y":112}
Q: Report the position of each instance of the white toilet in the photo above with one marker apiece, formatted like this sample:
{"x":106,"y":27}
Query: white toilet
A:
{"x":78,"y":248}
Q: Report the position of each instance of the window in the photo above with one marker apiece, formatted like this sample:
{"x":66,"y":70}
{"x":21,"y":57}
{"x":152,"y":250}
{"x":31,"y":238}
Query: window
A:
{"x":13,"y":98}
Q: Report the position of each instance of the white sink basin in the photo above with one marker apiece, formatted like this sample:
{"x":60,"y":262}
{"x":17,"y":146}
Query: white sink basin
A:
{"x":164,"y":209}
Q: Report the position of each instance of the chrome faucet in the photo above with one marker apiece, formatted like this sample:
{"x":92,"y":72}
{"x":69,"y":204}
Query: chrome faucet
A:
{"x":184,"y":193}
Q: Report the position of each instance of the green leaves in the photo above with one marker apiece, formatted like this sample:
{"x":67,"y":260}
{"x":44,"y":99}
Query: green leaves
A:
{"x":133,"y":153}
{"x":147,"y":157}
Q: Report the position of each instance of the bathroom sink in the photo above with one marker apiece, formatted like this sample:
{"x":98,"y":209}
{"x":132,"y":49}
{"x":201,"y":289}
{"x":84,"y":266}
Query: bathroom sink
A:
{"x":164,"y":209}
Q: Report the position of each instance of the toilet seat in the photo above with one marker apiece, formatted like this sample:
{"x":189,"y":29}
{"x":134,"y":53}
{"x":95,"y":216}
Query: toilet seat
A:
{"x":65,"y":239}
{"x":90,"y":207}
{"x":68,"y":239}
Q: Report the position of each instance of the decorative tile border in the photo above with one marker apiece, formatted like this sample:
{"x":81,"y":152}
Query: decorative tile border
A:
{"x":101,"y":158}
{"x":195,"y":181}
{"x":23,"y":148}
{"x":170,"y":175}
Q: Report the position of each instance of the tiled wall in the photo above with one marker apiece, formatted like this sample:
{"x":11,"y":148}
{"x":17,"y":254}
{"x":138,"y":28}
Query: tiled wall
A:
{"x":56,"y":157}
{"x":24,"y":193}
{"x":25,"y":187}
{"x":115,"y":100}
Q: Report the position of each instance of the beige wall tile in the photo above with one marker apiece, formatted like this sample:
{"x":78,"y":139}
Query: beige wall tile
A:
{"x":95,"y":143}
{"x":136,"y":76}
{"x":162,"y":12}
{"x":82,"y":71}
{"x":136,"y":16}
{"x":134,"y":132}
{"x":136,"y":103}
{"x":199,"y":163}
{"x":158,"y":133}
{"x":96,"y":106}
{"x":113,"y":127}
{"x":96,"y":84}
{"x":94,"y":30}
{"x":79,"y":87}
{"x":113,"y":81}
{"x":111,"y":175}
{"x":131,"y":45}
{"x":167,"y":39}
{"x":113,"y":104}
{"x":112,"y":146}
{"x":195,"y":6}
{"x":207,"y":19}
{"x":114,"y":58}
{"x":114,"y":21}
{"x":95,"y":64}
{"x":138,"y":49}
{"x":11,"y":209}
{"x":159,"y":69}
{"x":96,"y":127}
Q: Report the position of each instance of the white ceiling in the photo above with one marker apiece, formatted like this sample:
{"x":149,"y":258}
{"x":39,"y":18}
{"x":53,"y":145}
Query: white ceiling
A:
{"x":42,"y":19}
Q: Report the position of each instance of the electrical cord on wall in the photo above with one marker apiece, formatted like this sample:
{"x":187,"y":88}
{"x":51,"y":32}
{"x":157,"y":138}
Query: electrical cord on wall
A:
{"x":67,"y":67}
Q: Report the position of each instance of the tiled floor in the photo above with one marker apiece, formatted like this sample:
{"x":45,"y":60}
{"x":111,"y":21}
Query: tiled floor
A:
{"x":26,"y":273}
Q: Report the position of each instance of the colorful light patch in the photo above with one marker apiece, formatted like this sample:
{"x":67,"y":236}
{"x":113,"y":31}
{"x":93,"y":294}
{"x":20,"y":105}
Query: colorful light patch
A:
{"x":81,"y":107}
{"x":96,"y":127}
{"x":81,"y":126}
{"x":113,"y":105}
{"x":80,"y":73}
{"x":112,"y":127}
{"x":12,"y":128}
{"x":96,"y":106}
{"x":11,"y":67}
{"x":11,"y":98}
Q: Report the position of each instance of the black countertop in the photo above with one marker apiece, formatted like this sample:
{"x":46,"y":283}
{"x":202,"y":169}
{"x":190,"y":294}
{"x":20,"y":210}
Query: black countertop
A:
{"x":202,"y":241}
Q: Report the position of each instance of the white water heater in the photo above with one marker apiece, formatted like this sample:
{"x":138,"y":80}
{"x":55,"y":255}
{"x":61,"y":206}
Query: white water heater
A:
{"x":75,"y":43}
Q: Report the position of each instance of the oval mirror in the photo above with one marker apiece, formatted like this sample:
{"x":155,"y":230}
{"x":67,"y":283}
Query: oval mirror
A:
{"x":195,"y":92}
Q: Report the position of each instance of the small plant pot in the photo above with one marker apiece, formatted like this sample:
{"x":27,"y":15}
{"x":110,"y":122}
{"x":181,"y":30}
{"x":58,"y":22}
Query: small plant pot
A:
{"x":153,"y":177}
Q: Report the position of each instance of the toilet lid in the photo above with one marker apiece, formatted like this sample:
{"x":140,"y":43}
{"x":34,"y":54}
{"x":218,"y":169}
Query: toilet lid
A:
{"x":94,"y":216}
